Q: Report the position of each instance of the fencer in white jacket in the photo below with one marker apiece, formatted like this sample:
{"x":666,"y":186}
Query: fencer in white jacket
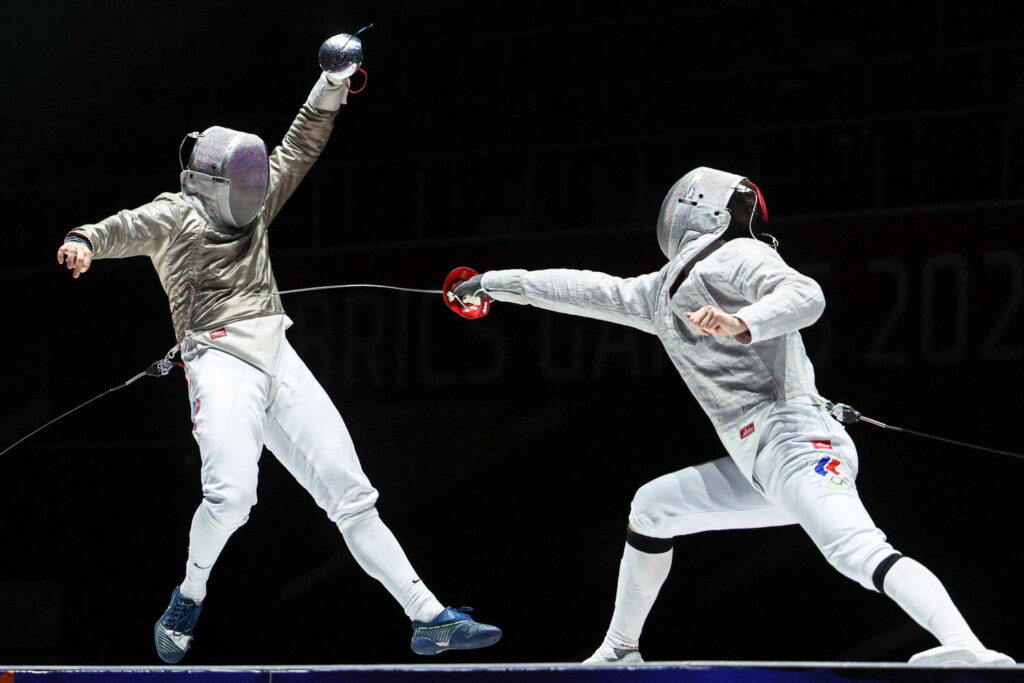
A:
{"x":728,"y":309}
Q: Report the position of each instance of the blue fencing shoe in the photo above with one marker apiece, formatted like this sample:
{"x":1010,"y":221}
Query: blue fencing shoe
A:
{"x":452,"y":629}
{"x":173,"y":632}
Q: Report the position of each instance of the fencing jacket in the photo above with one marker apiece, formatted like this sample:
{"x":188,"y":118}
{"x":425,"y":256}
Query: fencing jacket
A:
{"x":219,"y":282}
{"x":731,"y":380}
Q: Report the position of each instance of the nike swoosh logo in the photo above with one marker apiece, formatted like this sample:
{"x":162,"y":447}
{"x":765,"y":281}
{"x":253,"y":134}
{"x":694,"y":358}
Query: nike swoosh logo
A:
{"x":415,"y":580}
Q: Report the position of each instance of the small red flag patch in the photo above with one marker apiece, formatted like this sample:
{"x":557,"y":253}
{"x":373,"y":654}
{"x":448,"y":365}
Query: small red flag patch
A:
{"x":217,"y":334}
{"x":747,"y":431}
{"x":823,"y":444}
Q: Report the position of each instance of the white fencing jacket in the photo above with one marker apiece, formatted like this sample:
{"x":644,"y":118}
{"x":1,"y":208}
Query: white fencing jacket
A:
{"x":731,"y":380}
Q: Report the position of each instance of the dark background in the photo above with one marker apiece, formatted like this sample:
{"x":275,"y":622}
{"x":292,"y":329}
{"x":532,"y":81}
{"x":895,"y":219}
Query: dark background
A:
{"x":887,"y":138}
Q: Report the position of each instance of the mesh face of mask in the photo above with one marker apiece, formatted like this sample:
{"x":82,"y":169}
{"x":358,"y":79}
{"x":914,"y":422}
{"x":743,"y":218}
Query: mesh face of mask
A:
{"x":237,"y":172}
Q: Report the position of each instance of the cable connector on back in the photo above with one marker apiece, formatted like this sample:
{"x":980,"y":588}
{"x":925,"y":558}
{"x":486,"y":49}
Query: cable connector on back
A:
{"x":843,"y":413}
{"x":160,"y":368}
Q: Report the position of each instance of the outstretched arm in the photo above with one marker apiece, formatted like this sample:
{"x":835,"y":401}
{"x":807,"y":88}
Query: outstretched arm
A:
{"x":303,"y":143}
{"x":578,"y":292}
{"x":132,"y":232}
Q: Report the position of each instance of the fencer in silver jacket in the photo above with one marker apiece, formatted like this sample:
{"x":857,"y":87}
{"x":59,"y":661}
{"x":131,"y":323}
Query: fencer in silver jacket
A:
{"x":216,"y":274}
{"x":248,"y":388}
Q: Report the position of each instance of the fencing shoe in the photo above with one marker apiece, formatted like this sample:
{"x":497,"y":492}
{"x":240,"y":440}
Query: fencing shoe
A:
{"x":614,"y":656}
{"x":173,"y":632}
{"x":452,"y":629}
{"x":951,"y":656}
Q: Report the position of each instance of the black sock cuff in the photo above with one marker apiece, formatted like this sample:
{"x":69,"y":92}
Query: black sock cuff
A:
{"x":878,"y":578}
{"x":648,"y":544}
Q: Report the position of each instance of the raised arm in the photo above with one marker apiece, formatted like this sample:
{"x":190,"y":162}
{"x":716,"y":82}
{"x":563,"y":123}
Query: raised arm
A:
{"x":132,"y":232}
{"x":303,"y":143}
{"x":578,"y":292}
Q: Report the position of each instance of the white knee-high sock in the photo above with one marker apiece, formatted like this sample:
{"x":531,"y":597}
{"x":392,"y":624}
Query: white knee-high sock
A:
{"x":377,"y":551}
{"x":206,"y":540}
{"x":921,"y":595}
{"x":640,"y":578}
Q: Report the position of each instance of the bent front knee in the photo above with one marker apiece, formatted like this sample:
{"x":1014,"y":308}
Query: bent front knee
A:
{"x":645,"y":516}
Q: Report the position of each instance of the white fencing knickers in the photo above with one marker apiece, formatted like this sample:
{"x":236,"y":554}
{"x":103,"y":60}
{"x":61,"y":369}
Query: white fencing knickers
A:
{"x":806,"y":465}
{"x":236,"y":409}
{"x":232,"y":421}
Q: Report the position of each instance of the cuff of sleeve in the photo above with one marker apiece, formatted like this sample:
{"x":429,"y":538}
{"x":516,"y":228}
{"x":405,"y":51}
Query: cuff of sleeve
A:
{"x":753,"y":329}
{"x":504,"y":285}
{"x":326,"y":95}
{"x":79,"y":238}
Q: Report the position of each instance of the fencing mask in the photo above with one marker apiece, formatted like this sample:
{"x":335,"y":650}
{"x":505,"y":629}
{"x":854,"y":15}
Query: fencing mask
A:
{"x":696,"y":205}
{"x":228,"y":171}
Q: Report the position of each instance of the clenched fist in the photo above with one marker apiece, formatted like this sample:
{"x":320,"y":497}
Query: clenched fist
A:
{"x":76,"y":255}
{"x":711,"y":320}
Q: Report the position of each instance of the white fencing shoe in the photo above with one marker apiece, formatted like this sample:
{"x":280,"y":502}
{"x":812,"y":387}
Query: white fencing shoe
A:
{"x":951,"y":656}
{"x":614,"y":656}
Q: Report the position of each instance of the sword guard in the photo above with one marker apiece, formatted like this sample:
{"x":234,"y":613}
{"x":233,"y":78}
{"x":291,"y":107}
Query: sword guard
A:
{"x":470,"y":307}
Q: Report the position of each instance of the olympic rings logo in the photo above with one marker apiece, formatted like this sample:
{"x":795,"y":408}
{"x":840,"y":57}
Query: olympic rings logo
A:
{"x":835,"y":483}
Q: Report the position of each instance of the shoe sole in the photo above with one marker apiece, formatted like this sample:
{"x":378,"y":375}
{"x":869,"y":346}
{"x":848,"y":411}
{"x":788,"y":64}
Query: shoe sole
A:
{"x":959,"y":658}
{"x":621,"y":661}
{"x":165,"y":647}
{"x":459,"y":641}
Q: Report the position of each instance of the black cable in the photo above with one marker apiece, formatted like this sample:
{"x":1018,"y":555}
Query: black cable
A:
{"x":97,"y":396}
{"x":159,"y":368}
{"x":952,"y":441}
{"x":848,"y":415}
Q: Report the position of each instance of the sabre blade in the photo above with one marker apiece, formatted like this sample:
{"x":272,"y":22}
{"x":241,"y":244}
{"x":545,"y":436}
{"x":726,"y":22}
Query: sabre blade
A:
{"x":397,"y":289}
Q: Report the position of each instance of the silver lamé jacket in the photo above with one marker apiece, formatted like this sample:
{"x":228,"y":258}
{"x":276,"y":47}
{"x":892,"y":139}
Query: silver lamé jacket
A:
{"x":744,"y":277}
{"x":213,"y":276}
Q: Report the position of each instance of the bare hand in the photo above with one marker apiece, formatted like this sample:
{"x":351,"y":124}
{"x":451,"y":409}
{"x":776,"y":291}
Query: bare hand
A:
{"x":710,"y":320}
{"x":77,"y":255}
